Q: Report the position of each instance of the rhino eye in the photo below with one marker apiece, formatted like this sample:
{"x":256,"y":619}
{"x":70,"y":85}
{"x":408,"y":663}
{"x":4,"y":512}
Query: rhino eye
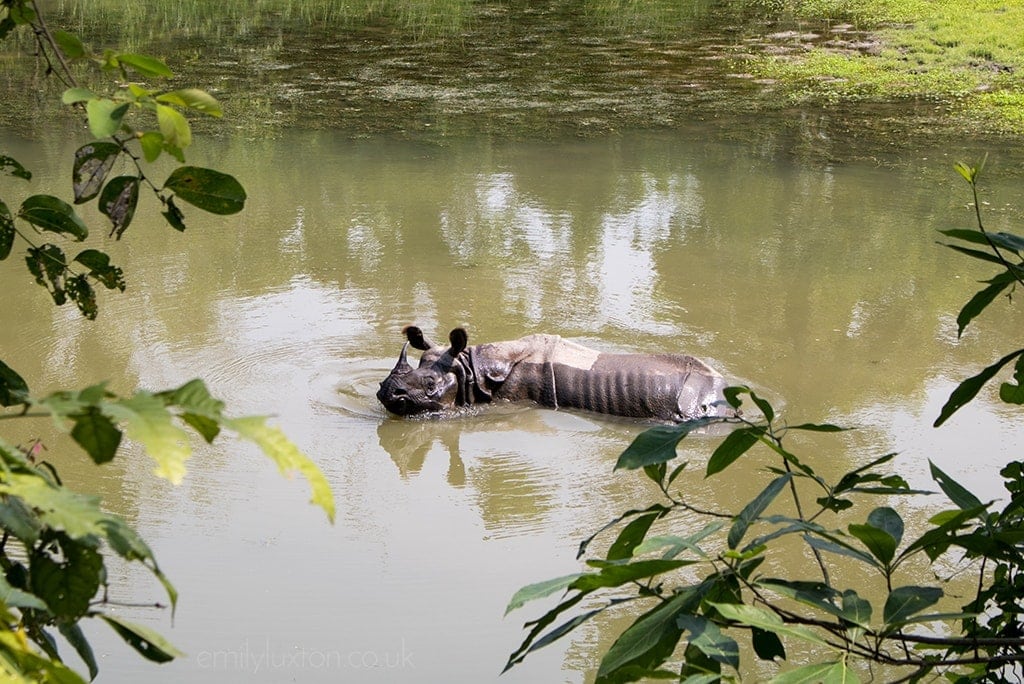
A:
{"x":429,"y":385}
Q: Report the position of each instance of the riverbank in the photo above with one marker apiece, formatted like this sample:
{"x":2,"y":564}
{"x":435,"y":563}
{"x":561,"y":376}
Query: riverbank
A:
{"x":826,"y":74}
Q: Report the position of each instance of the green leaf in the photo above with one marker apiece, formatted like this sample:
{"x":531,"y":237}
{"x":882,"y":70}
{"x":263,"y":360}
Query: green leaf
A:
{"x":753,"y":510}
{"x":903,"y":602}
{"x":709,"y":639}
{"x":48,"y":266}
{"x":956,"y":492}
{"x":72,"y":47}
{"x":53,"y":214}
{"x":67,"y":586}
{"x":81,"y":293}
{"x":879,"y":542}
{"x":212,"y":191}
{"x":147,"y":421}
{"x":12,"y":167}
{"x":148,"y":643}
{"x":841,"y":549}
{"x":980,"y":301}
{"x":848,"y":606}
{"x":651,"y":638}
{"x":539,"y":590}
{"x":17,"y":598}
{"x":13,"y":389}
{"x":144,"y":64}
{"x":1014,"y":243}
{"x":118,"y":202}
{"x":174,"y":215}
{"x":76,"y":95}
{"x":631,"y":535}
{"x":152,"y":143}
{"x":101,"y":269}
{"x":888,"y":520}
{"x":105,"y":116}
{"x":767,"y":645}
{"x":173,"y":126}
{"x":756,"y":617}
{"x":95,"y":433}
{"x":76,"y":514}
{"x":808,"y":674}
{"x":92,"y":164}
{"x":652,"y":446}
{"x":818,"y":427}
{"x":732,"y":447}
{"x":193,"y":98}
{"x":287,"y":457}
{"x":615,"y":575}
{"x":76,"y":637}
{"x":765,"y":408}
{"x":970,"y":387}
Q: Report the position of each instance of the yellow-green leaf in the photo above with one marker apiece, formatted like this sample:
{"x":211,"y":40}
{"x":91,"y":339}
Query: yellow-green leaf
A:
{"x":147,"y":421}
{"x":174,"y":126}
{"x":287,"y":456}
{"x":193,"y":98}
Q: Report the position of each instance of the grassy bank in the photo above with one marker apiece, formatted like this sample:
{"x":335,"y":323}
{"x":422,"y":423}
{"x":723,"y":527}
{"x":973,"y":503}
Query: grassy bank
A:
{"x":967,"y":57}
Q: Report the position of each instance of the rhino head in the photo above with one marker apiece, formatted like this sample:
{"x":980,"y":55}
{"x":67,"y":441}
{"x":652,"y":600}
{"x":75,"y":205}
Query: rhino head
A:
{"x":434,"y":385}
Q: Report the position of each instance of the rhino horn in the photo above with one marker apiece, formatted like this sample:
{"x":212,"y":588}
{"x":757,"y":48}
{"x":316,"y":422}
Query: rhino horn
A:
{"x":402,"y":367}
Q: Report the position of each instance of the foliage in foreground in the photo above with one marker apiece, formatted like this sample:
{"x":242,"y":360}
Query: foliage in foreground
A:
{"x":55,"y":542}
{"x":705,"y":602}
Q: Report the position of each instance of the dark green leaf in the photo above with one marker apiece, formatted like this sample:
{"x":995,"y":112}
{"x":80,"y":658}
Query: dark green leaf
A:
{"x":816,"y":673}
{"x":212,"y":191}
{"x":753,"y":510}
{"x":20,"y":520}
{"x":144,"y":64}
{"x":709,"y":639}
{"x":12,"y":167}
{"x":833,"y":504}
{"x":903,"y":602}
{"x":148,"y":643}
{"x":676,"y":472}
{"x":767,"y":645}
{"x":76,"y":637}
{"x":81,"y":293}
{"x":7,"y":231}
{"x":538,"y":626}
{"x":697,"y":666}
{"x":855,"y":609}
{"x":631,"y":535}
{"x":770,"y":622}
{"x":651,"y":638}
{"x":732,"y":447}
{"x":655,"y":472}
{"x":879,"y":542}
{"x":888,"y":520}
{"x":977,"y":254}
{"x":1014,"y":243}
{"x":655,"y":445}
{"x":67,"y":587}
{"x":13,"y":389}
{"x":765,"y":408}
{"x":174,"y":215}
{"x":970,"y":387}
{"x":982,"y":299}
{"x":48,"y":266}
{"x":92,"y":164}
{"x":956,"y":492}
{"x":53,"y":214}
{"x":101,"y":269}
{"x":118,"y":202}
{"x":97,"y":434}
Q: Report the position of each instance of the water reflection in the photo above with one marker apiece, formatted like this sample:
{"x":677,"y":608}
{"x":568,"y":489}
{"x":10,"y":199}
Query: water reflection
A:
{"x":810,"y":282}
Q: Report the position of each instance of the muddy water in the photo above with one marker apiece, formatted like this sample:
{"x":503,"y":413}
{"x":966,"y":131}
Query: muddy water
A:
{"x":820,"y":285}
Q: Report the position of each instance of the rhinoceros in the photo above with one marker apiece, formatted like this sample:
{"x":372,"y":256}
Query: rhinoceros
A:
{"x":555,"y":373}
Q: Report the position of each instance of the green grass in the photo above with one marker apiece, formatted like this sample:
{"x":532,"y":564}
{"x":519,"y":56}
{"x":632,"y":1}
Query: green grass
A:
{"x":969,"y":55}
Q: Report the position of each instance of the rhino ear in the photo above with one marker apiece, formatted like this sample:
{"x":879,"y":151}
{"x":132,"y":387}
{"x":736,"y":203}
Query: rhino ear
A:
{"x":416,"y":338}
{"x":459,"y":340}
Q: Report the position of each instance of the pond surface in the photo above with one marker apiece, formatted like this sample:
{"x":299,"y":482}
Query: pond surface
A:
{"x":821,"y":286}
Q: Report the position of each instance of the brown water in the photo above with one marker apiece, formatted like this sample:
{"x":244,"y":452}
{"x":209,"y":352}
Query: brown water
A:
{"x":820,"y":285}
